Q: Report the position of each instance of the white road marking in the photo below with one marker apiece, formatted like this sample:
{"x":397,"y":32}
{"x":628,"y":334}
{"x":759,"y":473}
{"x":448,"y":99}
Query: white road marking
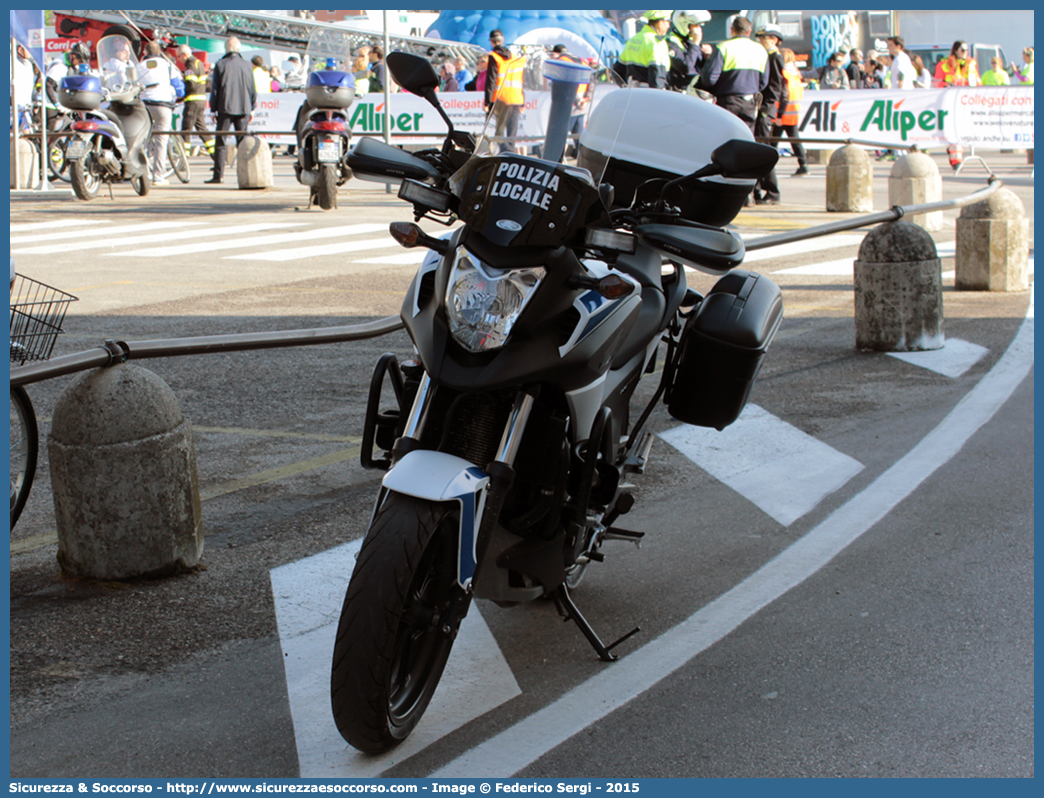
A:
{"x":955,"y":358}
{"x":775,"y":465}
{"x":319,"y":251}
{"x":522,"y":744}
{"x":406,"y":259}
{"x":177,"y":235}
{"x":801,"y":247}
{"x":108,"y":233}
{"x":55,"y":224}
{"x":829,"y":268}
{"x":308,"y":596}
{"x":283,"y":238}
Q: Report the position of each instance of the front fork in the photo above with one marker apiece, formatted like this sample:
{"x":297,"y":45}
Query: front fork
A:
{"x":481,"y":494}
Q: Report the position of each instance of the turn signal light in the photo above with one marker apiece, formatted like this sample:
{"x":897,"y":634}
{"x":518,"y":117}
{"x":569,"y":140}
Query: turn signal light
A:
{"x":406,"y":233}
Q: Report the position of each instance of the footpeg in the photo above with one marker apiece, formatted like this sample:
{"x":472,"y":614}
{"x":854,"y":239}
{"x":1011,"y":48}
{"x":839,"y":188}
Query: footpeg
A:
{"x":615,"y":533}
{"x":569,"y":612}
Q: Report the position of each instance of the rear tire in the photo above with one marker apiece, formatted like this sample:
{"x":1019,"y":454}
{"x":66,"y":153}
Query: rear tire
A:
{"x":326,"y":186}
{"x":400,"y":617}
{"x":56,"y":163}
{"x":84,"y":181}
{"x":178,"y":158}
{"x":25,"y":447}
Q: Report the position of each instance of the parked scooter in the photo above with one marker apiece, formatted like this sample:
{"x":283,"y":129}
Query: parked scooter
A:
{"x":511,"y":447}
{"x":324,"y":135}
{"x":111,"y":142}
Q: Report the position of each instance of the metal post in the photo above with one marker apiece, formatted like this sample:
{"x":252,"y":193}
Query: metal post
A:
{"x":14,"y":111}
{"x":387,"y":93}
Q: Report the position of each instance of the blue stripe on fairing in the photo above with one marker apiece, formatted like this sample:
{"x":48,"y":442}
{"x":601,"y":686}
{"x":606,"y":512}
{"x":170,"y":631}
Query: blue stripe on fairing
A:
{"x":468,"y":530}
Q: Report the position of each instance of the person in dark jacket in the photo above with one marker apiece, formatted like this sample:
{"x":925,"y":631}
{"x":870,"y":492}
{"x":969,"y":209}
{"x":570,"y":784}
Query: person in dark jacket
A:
{"x":232,"y":97}
{"x":736,"y":73}
{"x":774,"y":99}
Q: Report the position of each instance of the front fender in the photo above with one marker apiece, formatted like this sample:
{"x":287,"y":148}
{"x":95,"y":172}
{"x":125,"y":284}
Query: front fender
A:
{"x":441,"y":477}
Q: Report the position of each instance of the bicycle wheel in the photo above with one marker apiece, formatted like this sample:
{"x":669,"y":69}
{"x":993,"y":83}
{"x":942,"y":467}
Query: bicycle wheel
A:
{"x":57,"y":164}
{"x":25,"y":443}
{"x":178,"y":158}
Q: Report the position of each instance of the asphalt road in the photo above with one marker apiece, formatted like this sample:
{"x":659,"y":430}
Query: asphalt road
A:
{"x":775,"y":641}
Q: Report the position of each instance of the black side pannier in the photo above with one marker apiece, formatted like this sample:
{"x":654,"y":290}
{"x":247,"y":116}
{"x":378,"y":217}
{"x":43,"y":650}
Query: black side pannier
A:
{"x":722,"y":348}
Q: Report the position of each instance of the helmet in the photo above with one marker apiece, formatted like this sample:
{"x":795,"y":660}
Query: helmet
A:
{"x":655,"y":16}
{"x":80,"y":50}
{"x":770,"y":30}
{"x":683,"y":19}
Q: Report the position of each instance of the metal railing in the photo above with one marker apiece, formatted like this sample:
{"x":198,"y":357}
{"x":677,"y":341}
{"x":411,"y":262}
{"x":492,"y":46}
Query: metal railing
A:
{"x":113,"y":351}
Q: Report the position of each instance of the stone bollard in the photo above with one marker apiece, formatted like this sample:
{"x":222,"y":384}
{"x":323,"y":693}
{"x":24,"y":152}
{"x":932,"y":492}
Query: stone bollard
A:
{"x":898,"y":290}
{"x":993,"y":245}
{"x":914,"y":180}
{"x":819,"y":156}
{"x":850,"y":181}
{"x":254,"y":163}
{"x":28,"y":165}
{"x":123,"y":471}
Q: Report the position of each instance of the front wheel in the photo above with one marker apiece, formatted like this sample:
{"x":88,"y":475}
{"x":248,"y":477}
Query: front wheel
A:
{"x":85,"y":181}
{"x":141,"y":185}
{"x":25,"y":445}
{"x":400,"y":617}
{"x":326,"y":186}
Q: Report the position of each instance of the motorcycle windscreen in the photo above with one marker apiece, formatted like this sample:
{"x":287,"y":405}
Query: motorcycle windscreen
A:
{"x":117,"y":62}
{"x":513,"y":200}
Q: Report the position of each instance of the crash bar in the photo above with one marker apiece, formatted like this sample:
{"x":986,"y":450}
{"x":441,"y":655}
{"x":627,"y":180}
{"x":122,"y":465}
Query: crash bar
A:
{"x":114,"y":352}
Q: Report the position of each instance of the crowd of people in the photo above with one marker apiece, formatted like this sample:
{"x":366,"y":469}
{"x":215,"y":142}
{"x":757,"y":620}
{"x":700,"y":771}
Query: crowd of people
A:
{"x":752,"y":74}
{"x":761,"y":82}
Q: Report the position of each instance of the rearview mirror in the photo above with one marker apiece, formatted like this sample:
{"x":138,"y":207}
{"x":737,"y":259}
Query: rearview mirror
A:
{"x":748,"y":160}
{"x":413,"y":73}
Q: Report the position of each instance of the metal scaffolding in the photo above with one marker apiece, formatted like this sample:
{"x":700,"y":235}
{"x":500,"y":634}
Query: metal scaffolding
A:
{"x":274,"y":31}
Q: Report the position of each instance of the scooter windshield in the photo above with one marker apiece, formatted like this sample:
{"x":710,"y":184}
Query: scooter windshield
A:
{"x":117,"y":62}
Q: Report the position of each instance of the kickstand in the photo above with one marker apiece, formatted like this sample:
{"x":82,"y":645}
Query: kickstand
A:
{"x":569,"y":612}
{"x":109,"y":184}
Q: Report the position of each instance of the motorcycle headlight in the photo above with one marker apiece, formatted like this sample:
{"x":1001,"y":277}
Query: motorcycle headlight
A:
{"x":484,"y":303}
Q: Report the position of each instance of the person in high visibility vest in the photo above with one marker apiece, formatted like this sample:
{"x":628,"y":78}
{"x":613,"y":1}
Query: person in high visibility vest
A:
{"x":995,"y":75}
{"x":194,"y":112}
{"x":1024,"y":74}
{"x":790,"y":114}
{"x":958,"y":69}
{"x":737,"y":72}
{"x":504,"y":92}
{"x":646,"y":58}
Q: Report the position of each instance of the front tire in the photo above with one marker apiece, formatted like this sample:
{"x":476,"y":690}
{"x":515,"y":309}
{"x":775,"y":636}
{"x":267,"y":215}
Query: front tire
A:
{"x":85,"y":181}
{"x":400,"y":617}
{"x":326,"y":186}
{"x":141,"y":185}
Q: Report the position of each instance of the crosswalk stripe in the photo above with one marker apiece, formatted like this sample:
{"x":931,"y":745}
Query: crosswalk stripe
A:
{"x":54,"y":224}
{"x":829,"y":268}
{"x":311,"y":252}
{"x":773,"y":464}
{"x":800,"y":247}
{"x":406,"y":259}
{"x":175,"y":235}
{"x":106,"y":233}
{"x":102,"y":230}
{"x":282,"y":238}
